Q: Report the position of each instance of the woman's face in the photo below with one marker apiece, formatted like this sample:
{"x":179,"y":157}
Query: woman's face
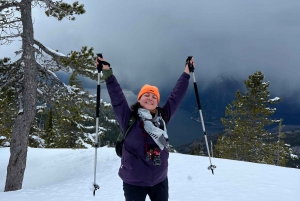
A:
{"x":148,"y":101}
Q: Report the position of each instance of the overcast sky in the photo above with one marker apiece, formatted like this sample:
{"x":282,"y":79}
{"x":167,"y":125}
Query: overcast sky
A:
{"x":148,"y":41}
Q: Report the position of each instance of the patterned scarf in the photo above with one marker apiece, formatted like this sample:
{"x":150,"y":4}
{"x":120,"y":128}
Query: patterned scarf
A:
{"x":151,"y":126}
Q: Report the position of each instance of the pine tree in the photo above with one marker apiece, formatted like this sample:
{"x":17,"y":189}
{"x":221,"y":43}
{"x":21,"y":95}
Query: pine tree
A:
{"x":32,"y":74}
{"x":199,"y":150}
{"x":193,"y":152}
{"x":7,"y":115}
{"x":73,"y":117}
{"x":283,"y":150}
{"x":37,"y":131}
{"x":109,"y":128}
{"x":49,"y":134}
{"x":245,"y":122}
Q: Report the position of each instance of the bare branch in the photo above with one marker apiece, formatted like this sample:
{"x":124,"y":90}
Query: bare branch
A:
{"x":12,"y":36}
{"x":13,"y":21}
{"x":10,"y":26}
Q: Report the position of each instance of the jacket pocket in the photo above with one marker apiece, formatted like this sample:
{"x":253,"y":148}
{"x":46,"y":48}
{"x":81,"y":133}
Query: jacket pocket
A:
{"x":126,"y":159}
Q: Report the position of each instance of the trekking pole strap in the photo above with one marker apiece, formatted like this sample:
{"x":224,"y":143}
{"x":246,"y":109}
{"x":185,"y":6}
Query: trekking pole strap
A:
{"x":101,"y":63}
{"x":99,"y":66}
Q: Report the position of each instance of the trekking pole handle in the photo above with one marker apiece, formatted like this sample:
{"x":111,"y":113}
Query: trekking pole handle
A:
{"x":190,"y":65}
{"x":99,"y":66}
{"x":101,"y":63}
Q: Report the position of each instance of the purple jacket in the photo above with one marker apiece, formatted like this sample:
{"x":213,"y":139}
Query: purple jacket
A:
{"x":134,"y":169}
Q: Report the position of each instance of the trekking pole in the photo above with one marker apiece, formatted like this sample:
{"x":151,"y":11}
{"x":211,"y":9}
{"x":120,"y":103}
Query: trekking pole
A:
{"x":191,"y":68}
{"x":97,"y":143}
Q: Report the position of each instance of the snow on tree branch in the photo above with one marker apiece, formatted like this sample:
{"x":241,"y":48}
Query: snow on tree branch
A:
{"x":56,"y":52}
{"x":271,"y":109}
{"x":276,"y":99}
{"x":53,"y":74}
{"x":49,"y":51}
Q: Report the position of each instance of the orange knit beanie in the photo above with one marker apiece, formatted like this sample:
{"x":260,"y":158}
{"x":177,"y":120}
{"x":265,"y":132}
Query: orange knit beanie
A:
{"x":149,"y":89}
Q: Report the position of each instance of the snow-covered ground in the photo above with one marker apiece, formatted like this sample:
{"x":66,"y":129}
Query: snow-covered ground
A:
{"x":66,"y":174}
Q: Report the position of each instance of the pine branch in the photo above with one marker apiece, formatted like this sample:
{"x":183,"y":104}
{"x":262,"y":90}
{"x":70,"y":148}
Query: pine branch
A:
{"x":44,"y":96}
{"x":8,"y":5}
{"x":9,"y":83}
{"x":60,"y":9}
{"x":77,"y":60}
{"x":10,"y":71}
{"x":46,"y":92}
{"x":51,"y":77}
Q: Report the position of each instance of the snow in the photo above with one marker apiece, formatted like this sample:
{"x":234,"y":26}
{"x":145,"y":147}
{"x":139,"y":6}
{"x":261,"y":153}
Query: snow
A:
{"x":271,"y":109}
{"x":86,"y":117}
{"x":92,"y":71}
{"x":69,"y":88}
{"x":107,"y":104}
{"x":110,"y":120}
{"x":294,"y":156}
{"x":20,"y":111}
{"x":90,"y":127}
{"x":55,"y":52}
{"x":39,"y":91}
{"x":66,"y":174}
{"x":52,"y":73}
{"x":274,"y":99}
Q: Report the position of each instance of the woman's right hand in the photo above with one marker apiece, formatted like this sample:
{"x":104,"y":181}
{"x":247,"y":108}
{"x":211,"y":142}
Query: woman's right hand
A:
{"x":104,"y":67}
{"x":187,"y":70}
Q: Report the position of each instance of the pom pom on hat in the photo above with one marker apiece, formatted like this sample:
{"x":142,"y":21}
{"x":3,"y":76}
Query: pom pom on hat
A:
{"x":149,"y":89}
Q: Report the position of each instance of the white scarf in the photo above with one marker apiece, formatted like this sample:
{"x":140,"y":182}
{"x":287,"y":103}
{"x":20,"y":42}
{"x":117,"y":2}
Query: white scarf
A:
{"x":151,"y":126}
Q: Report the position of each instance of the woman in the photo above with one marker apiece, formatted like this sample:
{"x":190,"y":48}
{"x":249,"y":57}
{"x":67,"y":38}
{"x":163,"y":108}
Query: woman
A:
{"x":144,"y":163}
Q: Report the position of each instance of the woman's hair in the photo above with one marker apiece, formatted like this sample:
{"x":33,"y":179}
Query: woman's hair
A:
{"x":134,"y":109}
{"x":137,"y":105}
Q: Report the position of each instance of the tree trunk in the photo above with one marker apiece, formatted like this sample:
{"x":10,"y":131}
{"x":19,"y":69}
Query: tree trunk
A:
{"x":19,"y":139}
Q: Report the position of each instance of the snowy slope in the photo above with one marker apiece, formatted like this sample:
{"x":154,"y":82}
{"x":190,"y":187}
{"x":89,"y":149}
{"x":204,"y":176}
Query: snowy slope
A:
{"x":66,"y":174}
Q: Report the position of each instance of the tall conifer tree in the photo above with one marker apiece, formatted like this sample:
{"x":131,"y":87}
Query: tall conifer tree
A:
{"x":245,"y":122}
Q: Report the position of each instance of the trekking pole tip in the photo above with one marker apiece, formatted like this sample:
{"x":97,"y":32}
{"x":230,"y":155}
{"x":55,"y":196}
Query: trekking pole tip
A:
{"x":96,"y":187}
{"x":212,"y":167}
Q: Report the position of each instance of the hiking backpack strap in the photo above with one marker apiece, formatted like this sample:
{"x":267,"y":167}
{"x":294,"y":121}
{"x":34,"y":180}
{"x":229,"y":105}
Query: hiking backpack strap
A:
{"x":122,"y":136}
{"x":131,"y":122}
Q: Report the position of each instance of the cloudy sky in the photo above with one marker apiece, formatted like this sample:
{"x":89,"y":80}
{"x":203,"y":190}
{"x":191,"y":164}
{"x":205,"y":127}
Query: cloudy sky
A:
{"x":148,"y":41}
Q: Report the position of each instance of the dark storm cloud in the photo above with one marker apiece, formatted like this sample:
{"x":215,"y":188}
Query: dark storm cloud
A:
{"x":147,"y":42}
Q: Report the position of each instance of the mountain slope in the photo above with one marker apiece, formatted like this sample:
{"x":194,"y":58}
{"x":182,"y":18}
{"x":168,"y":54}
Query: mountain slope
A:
{"x":66,"y":174}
